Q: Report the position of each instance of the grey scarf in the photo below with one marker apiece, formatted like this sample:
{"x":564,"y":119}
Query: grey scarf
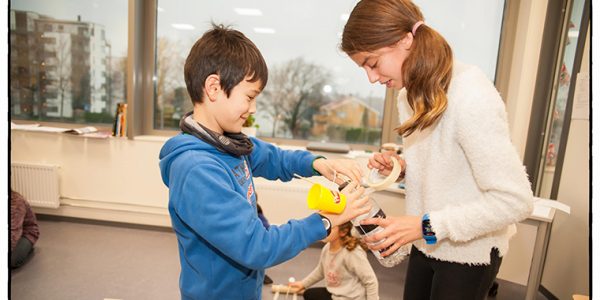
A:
{"x":236,"y":144}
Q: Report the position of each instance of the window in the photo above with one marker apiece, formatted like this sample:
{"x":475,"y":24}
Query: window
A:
{"x":294,"y":38}
{"x":333,"y":101}
{"x":471,"y":27}
{"x":59,"y":83}
{"x":85,"y":63}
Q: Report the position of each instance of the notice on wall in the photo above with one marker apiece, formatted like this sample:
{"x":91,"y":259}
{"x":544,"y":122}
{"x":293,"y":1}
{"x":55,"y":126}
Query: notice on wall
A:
{"x":581,"y":98}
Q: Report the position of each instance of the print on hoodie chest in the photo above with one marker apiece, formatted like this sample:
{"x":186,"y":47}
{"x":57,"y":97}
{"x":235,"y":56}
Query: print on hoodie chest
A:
{"x":242,"y":176}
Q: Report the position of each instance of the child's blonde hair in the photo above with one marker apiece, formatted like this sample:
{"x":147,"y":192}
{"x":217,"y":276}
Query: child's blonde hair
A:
{"x":348,"y":240}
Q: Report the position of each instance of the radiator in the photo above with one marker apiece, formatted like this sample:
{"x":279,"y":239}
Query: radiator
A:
{"x":38,"y":183}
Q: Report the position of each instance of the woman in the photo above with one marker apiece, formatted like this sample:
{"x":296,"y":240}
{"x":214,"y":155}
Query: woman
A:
{"x":465,"y":184}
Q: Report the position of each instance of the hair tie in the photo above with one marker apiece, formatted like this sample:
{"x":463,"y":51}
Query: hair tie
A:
{"x":416,"y":26}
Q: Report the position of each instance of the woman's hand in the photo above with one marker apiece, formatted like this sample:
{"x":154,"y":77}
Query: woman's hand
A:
{"x":397,"y":231}
{"x":356,"y":205}
{"x":383,"y":162}
{"x":331,"y":168}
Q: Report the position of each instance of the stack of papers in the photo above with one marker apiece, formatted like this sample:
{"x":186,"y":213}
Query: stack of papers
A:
{"x":88,"y":131}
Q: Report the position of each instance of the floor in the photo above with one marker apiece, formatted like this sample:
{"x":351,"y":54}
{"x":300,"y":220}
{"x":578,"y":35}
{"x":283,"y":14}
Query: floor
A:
{"x":91,"y":260}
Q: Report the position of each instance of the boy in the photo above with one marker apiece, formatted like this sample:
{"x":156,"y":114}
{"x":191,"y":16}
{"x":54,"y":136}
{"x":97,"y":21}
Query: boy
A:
{"x":223,"y":246}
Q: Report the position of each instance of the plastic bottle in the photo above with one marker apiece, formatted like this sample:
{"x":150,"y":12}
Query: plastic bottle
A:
{"x":368,"y":230}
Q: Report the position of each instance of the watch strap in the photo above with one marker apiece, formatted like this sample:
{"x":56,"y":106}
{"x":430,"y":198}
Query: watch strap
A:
{"x":428,"y":233}
{"x":326,"y":223}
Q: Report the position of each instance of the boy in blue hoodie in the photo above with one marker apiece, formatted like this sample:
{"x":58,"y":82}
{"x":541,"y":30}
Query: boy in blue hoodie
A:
{"x":223,"y":246}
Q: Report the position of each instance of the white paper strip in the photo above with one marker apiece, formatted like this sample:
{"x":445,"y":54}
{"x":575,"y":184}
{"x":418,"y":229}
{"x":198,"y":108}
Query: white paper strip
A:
{"x":553,"y":204}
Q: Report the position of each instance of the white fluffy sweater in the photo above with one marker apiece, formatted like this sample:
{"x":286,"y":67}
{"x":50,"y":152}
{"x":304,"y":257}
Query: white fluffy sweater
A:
{"x":465,"y":172}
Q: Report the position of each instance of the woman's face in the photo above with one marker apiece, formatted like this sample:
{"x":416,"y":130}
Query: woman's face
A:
{"x":384,"y":65}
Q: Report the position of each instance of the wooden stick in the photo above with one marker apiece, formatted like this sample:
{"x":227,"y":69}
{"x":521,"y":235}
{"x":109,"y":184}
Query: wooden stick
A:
{"x":281,"y":288}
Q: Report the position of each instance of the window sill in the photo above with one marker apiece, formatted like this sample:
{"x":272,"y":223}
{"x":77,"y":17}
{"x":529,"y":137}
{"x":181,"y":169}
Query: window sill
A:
{"x":151,"y":138}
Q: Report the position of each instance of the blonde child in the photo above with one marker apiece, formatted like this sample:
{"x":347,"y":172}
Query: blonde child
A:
{"x":344,"y":265}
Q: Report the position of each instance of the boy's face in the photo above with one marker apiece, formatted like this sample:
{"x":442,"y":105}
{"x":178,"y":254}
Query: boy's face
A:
{"x":232,"y":112}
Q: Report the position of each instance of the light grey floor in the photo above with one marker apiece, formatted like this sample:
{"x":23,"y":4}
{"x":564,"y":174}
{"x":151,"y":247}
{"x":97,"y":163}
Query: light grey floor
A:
{"x":82,"y":260}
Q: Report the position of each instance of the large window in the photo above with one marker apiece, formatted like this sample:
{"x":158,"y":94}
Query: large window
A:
{"x":68,"y":62}
{"x":314,"y":91}
{"x":67,"y":59}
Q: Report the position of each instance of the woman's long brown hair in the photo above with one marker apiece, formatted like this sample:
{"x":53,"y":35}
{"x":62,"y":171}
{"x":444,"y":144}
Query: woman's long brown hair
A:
{"x":348,"y":240}
{"x":427,"y":71}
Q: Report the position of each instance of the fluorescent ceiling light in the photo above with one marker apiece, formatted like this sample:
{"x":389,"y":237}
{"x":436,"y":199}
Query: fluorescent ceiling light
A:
{"x":183,"y":26}
{"x":344,"y":17}
{"x":264,"y":30}
{"x":248,"y":11}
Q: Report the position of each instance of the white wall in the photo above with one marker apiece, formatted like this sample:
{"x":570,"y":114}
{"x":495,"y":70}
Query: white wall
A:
{"x":100,"y":178}
{"x":567,"y":267}
{"x":118,"y":179}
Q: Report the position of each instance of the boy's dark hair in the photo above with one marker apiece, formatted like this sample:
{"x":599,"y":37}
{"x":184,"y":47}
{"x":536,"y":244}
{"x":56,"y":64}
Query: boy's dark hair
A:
{"x":227,"y":53}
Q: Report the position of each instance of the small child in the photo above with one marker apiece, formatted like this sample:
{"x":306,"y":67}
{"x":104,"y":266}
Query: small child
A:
{"x":345,"y":267}
{"x":24,"y":230}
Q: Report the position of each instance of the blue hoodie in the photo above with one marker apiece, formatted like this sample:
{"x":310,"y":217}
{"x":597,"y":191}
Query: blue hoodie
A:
{"x":223,"y":246}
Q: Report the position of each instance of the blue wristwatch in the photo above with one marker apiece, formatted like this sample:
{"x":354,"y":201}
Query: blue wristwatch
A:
{"x":428,"y":233}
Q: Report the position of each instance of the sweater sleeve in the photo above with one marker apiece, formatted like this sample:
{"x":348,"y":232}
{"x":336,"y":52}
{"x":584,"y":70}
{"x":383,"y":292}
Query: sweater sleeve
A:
{"x":212,"y":209}
{"x":317,"y":274}
{"x":482,"y":133}
{"x":359,"y":265}
{"x":271,"y":162}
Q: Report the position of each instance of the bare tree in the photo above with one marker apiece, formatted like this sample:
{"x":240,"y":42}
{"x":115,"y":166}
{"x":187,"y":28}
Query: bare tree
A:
{"x":117,"y":79}
{"x":63,"y":68}
{"x":294,"y":93}
{"x":169,"y":74}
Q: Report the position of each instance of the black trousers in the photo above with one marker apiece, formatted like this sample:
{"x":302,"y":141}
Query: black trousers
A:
{"x":317,"y":293}
{"x":429,"y":278}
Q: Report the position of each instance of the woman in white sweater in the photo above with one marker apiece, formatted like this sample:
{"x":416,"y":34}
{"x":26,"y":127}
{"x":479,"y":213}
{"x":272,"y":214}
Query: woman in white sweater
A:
{"x":465,"y":184}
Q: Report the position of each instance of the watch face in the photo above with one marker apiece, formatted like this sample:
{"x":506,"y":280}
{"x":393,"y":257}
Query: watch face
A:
{"x":427,"y":230}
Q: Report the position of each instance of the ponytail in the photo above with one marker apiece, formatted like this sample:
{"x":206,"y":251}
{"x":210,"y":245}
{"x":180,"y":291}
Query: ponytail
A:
{"x":427,"y":72}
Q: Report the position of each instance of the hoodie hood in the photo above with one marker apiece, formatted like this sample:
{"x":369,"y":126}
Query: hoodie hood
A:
{"x":176,"y":146}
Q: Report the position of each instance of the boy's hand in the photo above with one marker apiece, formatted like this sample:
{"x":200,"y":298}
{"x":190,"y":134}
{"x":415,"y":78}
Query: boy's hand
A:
{"x":331,"y":168}
{"x":383,"y":162}
{"x":356,"y":205}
